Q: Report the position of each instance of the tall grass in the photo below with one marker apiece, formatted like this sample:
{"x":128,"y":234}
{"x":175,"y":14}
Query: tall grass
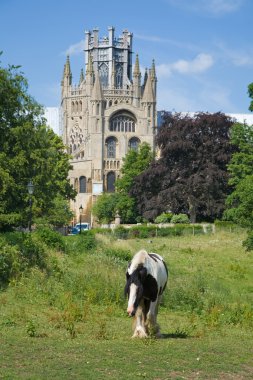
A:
{"x":210,"y":276}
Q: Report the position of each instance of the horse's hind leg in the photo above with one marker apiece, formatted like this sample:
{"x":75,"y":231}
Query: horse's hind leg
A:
{"x":151,"y":323}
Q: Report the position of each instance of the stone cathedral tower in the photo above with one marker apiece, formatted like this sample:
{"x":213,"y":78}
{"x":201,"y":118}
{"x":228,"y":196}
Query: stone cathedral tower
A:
{"x":109,"y":112}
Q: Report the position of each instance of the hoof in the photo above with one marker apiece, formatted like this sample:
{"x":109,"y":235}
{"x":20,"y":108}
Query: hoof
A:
{"x":159,"y":335}
{"x":140,"y":333}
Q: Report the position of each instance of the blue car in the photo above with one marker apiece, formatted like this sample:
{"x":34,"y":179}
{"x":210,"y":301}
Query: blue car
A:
{"x":74,"y":231}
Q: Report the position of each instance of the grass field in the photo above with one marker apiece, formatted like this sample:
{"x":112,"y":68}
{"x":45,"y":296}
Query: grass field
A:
{"x":71,"y":322}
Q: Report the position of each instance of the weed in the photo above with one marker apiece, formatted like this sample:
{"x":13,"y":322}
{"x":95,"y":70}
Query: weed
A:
{"x":31,"y":328}
{"x":70,"y":327}
{"x":101,"y":333}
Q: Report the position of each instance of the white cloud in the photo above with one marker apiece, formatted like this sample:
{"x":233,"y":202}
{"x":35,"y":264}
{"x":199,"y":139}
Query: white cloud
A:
{"x":199,"y":64}
{"x":222,"y":6}
{"x":237,"y":57}
{"x":215,"y":7}
{"x":75,"y":48}
{"x":169,"y":41}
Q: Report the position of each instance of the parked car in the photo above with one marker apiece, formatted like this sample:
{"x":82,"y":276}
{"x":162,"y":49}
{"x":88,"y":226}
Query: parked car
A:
{"x":84,"y":226}
{"x":74,"y":231}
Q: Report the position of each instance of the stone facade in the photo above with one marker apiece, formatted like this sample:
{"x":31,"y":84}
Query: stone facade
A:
{"x":110,"y":111}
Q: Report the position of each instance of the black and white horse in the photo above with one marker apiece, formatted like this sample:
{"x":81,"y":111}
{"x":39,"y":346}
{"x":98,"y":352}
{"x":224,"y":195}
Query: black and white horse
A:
{"x":146,"y":277}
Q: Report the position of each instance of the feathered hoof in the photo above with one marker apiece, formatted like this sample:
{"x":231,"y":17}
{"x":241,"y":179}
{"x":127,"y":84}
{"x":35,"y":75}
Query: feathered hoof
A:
{"x":140,"y":333}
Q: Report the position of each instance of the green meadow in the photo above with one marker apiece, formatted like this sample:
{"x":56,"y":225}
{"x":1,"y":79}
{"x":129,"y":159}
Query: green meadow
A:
{"x":68,"y":320}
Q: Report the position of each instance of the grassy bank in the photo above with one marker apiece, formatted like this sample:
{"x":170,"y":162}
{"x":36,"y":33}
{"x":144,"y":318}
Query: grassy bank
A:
{"x":69,"y":321}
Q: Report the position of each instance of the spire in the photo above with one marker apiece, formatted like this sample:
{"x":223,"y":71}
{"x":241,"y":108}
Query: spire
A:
{"x":148,"y":94}
{"x":67,"y":75}
{"x":89,"y":70}
{"x":81,"y":77}
{"x":153,"y":73}
{"x":97,"y":93}
{"x":145,"y":78}
{"x":153,"y":77}
{"x":136,"y":67}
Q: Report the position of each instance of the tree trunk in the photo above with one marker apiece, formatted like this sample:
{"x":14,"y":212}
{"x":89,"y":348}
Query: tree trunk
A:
{"x":192,"y":209}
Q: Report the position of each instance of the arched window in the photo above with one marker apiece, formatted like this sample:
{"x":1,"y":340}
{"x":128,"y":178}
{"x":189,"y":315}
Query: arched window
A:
{"x":76,"y":137}
{"x":82,"y":184}
{"x":103,"y":73}
{"x":111,"y":147}
{"x":119,"y":75}
{"x":134,"y":143}
{"x":111,"y":182}
{"x":122,"y":121}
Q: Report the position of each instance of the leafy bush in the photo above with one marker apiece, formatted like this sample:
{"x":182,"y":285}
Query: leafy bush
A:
{"x":32,"y":251}
{"x":180,"y":218}
{"x":248,"y":243}
{"x":225,"y":225}
{"x":143,"y":232}
{"x":164,"y":218}
{"x":51,"y":238}
{"x":20,"y":251}
{"x":10,"y":264}
{"x":121,"y":232}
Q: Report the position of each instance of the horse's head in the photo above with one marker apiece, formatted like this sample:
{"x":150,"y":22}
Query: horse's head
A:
{"x":134,"y":288}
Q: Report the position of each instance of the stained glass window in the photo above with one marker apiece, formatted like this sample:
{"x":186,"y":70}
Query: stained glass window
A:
{"x":82,"y":184}
{"x":111,"y":182}
{"x":111,"y":147}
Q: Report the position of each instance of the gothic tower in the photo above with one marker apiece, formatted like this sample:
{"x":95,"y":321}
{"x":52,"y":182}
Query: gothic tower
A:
{"x":109,"y":112}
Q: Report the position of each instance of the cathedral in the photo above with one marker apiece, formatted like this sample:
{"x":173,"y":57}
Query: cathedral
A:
{"x":110,"y":111}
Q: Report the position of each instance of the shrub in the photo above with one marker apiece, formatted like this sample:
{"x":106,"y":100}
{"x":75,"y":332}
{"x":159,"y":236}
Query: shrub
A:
{"x":10,"y":264}
{"x":20,"y":251}
{"x":51,"y":238}
{"x":143,"y":232}
{"x":248,"y":243}
{"x":164,"y":218}
{"x":32,"y":251}
{"x":180,"y":218}
{"x":121,"y":232}
{"x":225,"y":225}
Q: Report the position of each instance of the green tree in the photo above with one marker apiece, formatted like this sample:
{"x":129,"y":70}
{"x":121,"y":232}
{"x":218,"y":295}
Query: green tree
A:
{"x":107,"y":205}
{"x":250,"y":92}
{"x":105,"y":208}
{"x":240,"y":201}
{"x":29,"y":150}
{"x":135,"y":162}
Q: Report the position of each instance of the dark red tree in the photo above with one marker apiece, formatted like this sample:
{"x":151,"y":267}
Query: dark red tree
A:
{"x":191,"y":174}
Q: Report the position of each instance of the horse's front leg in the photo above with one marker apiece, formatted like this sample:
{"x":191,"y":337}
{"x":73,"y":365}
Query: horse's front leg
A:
{"x":139,"y":328}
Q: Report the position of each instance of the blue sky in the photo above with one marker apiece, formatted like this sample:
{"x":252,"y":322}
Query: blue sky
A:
{"x":203,"y":49}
